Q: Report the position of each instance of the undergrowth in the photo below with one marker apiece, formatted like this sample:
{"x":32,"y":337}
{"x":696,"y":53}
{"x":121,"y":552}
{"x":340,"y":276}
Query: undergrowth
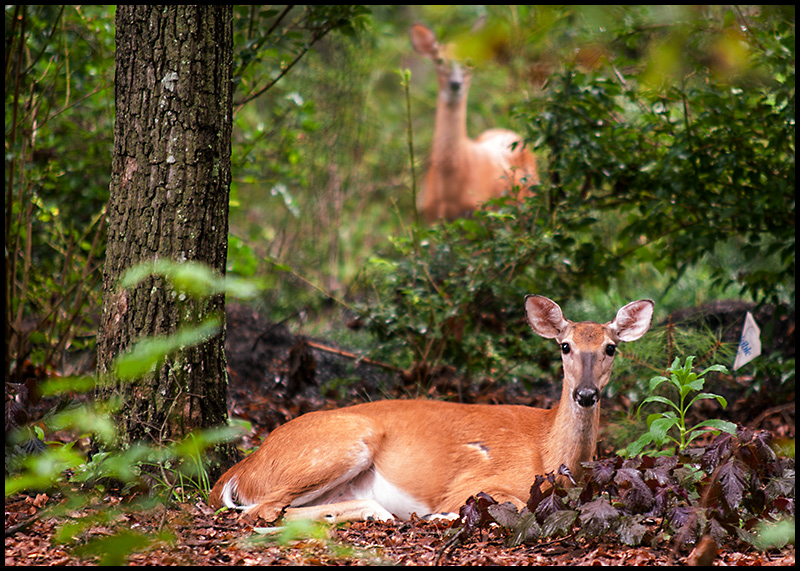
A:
{"x":724,"y":490}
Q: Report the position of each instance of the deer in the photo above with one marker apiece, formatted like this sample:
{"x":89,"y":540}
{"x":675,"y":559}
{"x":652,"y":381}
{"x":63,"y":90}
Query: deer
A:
{"x":389,"y":459}
{"x":463,"y":173}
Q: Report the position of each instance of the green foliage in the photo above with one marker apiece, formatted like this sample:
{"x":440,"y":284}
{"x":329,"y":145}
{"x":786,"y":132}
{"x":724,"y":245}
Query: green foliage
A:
{"x":148,"y":354}
{"x":172,"y":472}
{"x":188,"y":279}
{"x":58,"y":131}
{"x":280,"y":39}
{"x":685,"y":158}
{"x":775,"y":534}
{"x":114,"y":550}
{"x":297,"y":142}
{"x":686,"y":382}
{"x":456,"y":298}
{"x":193,"y":278}
{"x":647,"y":166}
{"x":294,"y":532}
{"x":680,"y":134}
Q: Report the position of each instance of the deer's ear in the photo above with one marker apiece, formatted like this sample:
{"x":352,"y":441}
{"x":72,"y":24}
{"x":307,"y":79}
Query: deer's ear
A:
{"x":633,"y":320}
{"x":423,"y":40}
{"x":545,"y":316}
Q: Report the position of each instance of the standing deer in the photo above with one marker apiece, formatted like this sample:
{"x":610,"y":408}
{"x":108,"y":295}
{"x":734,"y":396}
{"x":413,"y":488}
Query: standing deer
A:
{"x":463,"y":172}
{"x":393,"y":458}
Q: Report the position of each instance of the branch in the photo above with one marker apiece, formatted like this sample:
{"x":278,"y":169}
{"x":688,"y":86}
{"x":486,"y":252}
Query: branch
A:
{"x":349,"y":355}
{"x":315,"y":39}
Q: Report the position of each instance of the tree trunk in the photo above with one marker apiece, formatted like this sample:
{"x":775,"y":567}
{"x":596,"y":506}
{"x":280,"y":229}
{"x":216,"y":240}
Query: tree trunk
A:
{"x":169,"y":189}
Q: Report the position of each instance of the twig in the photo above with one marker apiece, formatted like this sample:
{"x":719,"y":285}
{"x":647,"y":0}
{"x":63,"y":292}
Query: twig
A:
{"x":770,"y":411}
{"x":354,"y":356}
{"x":11,"y":530}
{"x":447,"y":547}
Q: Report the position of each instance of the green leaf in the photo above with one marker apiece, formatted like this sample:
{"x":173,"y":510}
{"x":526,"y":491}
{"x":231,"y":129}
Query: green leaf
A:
{"x":243,"y":289}
{"x":716,"y":424}
{"x":703,"y":396}
{"x":656,"y":381}
{"x":559,"y":523}
{"x":149,"y":353}
{"x":636,"y":447}
{"x":278,"y":267}
{"x":114,"y":550}
{"x":718,"y":368}
{"x":195,"y":279}
{"x":527,"y":529}
{"x":660,"y":427}
{"x":63,"y":385}
{"x":657,"y":398}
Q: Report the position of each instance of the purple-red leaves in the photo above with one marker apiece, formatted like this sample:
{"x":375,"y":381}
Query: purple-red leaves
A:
{"x":730,"y":484}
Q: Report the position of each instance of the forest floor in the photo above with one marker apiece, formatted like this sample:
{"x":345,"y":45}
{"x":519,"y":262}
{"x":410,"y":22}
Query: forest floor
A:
{"x":275,"y":376}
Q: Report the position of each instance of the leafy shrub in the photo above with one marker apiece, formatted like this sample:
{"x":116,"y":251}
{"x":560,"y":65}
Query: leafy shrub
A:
{"x":643,"y":168}
{"x":452,"y":294}
{"x":64,"y":470}
{"x":170,"y":471}
{"x":685,"y":160}
{"x":723,"y":489}
{"x":59,"y":124}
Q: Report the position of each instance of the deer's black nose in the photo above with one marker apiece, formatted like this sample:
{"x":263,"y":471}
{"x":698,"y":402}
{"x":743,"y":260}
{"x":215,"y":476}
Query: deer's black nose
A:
{"x":586,"y":396}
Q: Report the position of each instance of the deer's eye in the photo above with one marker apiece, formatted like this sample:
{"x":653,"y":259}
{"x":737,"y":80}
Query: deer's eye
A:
{"x":610,"y":350}
{"x":565,"y":348}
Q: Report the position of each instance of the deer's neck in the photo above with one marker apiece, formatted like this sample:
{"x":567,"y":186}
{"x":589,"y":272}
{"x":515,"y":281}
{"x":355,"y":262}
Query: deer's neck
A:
{"x":450,"y":132}
{"x":573,"y":436}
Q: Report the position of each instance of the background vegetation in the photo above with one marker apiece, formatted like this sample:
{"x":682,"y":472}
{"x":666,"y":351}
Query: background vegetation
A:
{"x":666,"y":137}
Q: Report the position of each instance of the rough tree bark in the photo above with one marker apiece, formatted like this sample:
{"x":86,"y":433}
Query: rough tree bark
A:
{"x":169,"y":201}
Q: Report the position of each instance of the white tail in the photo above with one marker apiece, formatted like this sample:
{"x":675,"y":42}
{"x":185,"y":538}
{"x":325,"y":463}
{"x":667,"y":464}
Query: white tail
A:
{"x":393,"y":458}
{"x":463,"y":172}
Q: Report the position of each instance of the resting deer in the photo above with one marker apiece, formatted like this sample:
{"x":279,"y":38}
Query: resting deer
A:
{"x":463,"y":172}
{"x":393,"y":458}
